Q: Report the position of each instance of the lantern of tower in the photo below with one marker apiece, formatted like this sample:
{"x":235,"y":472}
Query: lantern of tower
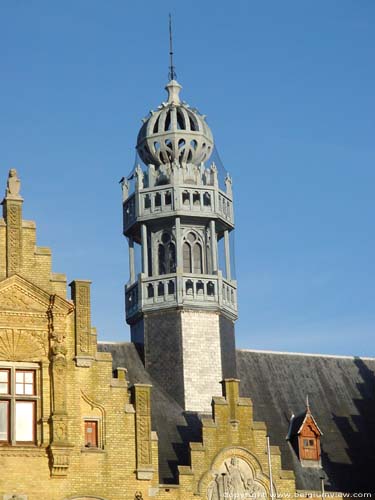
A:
{"x":181,"y":306}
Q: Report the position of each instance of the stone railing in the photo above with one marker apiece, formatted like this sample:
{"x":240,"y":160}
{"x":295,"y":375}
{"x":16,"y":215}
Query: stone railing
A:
{"x":161,"y":200}
{"x":205,"y":291}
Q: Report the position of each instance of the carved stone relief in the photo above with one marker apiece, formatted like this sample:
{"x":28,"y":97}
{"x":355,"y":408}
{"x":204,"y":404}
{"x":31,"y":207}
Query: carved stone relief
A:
{"x":143,"y":428}
{"x":13,"y":237}
{"x":22,"y":344}
{"x":15,"y":298}
{"x":234,"y":480}
{"x":83,"y":317}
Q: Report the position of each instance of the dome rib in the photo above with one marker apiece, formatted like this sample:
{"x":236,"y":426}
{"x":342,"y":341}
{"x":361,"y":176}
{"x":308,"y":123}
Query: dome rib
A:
{"x":174,"y":133}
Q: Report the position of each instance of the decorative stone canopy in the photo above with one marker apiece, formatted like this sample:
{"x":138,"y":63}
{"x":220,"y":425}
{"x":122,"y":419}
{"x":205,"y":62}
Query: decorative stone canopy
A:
{"x":175,"y":133}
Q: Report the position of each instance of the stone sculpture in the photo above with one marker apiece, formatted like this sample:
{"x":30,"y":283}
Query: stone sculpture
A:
{"x":234,"y":481}
{"x":13,"y":184}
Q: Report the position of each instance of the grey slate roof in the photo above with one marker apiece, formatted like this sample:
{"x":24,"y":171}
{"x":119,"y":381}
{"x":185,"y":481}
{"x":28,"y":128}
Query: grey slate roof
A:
{"x":341,"y":392}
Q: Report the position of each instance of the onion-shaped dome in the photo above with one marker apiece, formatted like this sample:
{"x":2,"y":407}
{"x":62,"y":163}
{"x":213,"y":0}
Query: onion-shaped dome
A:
{"x":174,"y":133}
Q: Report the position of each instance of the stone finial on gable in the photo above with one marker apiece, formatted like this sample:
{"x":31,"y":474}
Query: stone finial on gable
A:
{"x":13,"y":185}
{"x":228,"y":185}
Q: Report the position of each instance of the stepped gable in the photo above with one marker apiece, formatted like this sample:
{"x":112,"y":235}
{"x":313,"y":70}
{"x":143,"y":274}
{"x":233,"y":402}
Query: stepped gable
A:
{"x":175,"y":428}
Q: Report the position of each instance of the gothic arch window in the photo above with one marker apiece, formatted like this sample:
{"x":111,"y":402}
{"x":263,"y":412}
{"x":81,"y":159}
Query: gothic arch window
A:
{"x":166,"y":254}
{"x":161,"y":257}
{"x":187,"y":257}
{"x":197,"y":261}
{"x":193,"y":253}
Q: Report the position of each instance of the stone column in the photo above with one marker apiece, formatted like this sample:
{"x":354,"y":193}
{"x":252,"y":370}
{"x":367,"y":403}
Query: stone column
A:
{"x":144,"y":249}
{"x":213,"y":246}
{"x":227,"y":254}
{"x":131,"y":260}
{"x":60,"y":447}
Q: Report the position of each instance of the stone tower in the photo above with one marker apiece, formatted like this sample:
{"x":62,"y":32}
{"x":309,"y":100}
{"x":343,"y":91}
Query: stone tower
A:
{"x":181,"y":307}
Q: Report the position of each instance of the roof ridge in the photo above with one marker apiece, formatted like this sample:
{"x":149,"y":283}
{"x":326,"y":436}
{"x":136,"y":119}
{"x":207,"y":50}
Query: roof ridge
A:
{"x":316,"y":355}
{"x":114,"y":342}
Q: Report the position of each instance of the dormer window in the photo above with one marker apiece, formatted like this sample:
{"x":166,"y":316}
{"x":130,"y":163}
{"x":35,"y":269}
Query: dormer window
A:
{"x":304,"y":436}
{"x":309,"y":449}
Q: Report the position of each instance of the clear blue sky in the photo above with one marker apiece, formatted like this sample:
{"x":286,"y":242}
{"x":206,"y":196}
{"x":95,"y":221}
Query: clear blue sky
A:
{"x":288,"y":89}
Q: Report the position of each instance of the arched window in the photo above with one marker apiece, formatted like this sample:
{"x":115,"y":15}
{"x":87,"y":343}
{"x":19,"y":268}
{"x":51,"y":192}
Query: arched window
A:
{"x":187,"y":257}
{"x":166,"y":255}
{"x":193,"y":254}
{"x":197,"y":266}
{"x":161,"y":256}
{"x":171,"y":267}
{"x":160,"y":289}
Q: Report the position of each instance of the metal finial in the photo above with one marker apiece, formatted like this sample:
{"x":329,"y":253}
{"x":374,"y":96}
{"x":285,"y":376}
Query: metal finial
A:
{"x":172,"y":73}
{"x":307,"y":403}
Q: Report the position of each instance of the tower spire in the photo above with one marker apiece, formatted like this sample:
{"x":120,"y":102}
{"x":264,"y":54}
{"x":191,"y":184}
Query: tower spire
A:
{"x":172,"y":73}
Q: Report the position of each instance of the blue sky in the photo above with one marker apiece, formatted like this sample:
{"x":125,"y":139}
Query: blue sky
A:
{"x":288,"y":89}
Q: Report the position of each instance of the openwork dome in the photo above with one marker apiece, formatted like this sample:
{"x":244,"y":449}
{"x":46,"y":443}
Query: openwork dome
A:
{"x":174,"y":133}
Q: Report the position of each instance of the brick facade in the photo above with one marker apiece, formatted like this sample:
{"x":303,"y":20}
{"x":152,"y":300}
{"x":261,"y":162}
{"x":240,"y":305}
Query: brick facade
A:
{"x":46,"y":332}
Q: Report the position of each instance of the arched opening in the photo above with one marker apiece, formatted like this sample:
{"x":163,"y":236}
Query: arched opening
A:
{"x":147,"y":201}
{"x":210,"y":289}
{"x":170,"y":287}
{"x":171,"y":258}
{"x":168,"y":198}
{"x":166,"y":255}
{"x":198,"y":264}
{"x":157,"y":200}
{"x":207,"y":199}
{"x":161,"y":257}
{"x":189,"y":287}
{"x":150,"y":291}
{"x":187,"y":257}
{"x":196,"y":199}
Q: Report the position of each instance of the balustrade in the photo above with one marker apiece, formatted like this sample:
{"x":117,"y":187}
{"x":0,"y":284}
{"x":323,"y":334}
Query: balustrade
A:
{"x":161,"y":200}
{"x":173,"y":290}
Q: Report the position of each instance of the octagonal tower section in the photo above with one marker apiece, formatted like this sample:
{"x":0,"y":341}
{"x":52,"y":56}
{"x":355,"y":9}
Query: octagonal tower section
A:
{"x":181,"y":306}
